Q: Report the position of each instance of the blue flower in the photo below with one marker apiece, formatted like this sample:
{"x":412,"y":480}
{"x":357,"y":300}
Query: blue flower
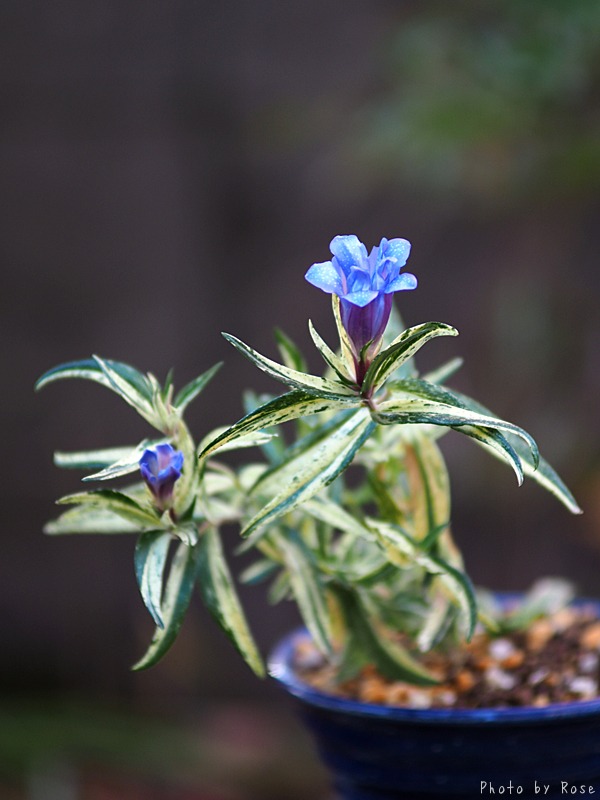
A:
{"x":365,"y":284}
{"x":161,"y":467}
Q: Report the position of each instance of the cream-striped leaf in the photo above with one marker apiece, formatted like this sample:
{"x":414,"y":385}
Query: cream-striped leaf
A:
{"x":91,"y":459}
{"x":292,"y":377}
{"x":91,"y":369}
{"x":404,"y":551}
{"x":193,"y":388}
{"x":541,"y":471}
{"x":218,"y":592}
{"x":176,"y":599}
{"x":316,"y":468}
{"x":368,"y":642}
{"x":401,"y":350}
{"x":331,"y":359}
{"x":292,"y":405}
{"x":150,"y":559}
{"x":116,"y":502}
{"x":307,"y":590}
{"x":346,"y":346}
{"x":408,"y":410}
{"x":128,"y":463}
{"x":121,"y":383}
{"x":89,"y":519}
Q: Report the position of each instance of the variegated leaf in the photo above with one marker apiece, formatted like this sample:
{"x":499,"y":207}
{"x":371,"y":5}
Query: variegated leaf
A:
{"x":195,"y":387}
{"x":346,"y":346}
{"x":120,"y":383}
{"x":429,"y":489}
{"x":540,"y":471}
{"x":292,"y":377}
{"x":219,"y":594}
{"x":292,"y":405}
{"x":331,"y":359}
{"x":436,"y":407}
{"x":367,"y":642}
{"x":295,"y":455}
{"x":91,"y":459}
{"x":256,"y":439}
{"x":89,"y":519}
{"x":403,"y":550}
{"x":91,"y":369}
{"x":328,"y":511}
{"x":402,"y":349}
{"x":317,"y":468}
{"x":445,"y":371}
{"x":307,"y":589}
{"x":117,"y":503}
{"x":150,"y":558}
{"x":128,"y":463}
{"x":290,"y":353}
{"x":176,"y":599}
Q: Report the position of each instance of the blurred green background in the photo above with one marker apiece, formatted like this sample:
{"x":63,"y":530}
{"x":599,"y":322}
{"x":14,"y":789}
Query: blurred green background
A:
{"x":170,"y":170}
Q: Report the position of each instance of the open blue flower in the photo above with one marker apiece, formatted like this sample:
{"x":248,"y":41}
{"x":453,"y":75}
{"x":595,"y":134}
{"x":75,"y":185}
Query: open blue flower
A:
{"x":365,"y":284}
{"x":161,"y":467}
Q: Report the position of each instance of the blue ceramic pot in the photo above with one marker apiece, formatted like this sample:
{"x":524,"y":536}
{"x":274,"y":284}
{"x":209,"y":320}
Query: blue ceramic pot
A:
{"x":379,"y":753}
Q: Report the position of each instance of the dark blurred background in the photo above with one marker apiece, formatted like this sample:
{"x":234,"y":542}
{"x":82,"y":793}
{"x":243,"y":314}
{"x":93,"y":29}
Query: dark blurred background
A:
{"x":170,"y":170}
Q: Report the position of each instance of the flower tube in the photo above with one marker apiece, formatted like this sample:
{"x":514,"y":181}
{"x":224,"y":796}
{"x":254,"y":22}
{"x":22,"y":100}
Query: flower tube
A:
{"x":365,"y":284}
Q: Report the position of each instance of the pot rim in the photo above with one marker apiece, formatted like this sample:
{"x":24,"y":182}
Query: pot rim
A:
{"x":280,"y":668}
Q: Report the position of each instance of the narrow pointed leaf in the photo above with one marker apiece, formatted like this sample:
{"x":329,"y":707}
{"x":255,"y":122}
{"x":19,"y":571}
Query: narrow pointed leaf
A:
{"x":256,"y":439}
{"x":307,"y":590}
{"x":292,"y":377}
{"x":91,"y":459}
{"x":429,"y":489}
{"x":116,"y":502}
{"x":298,"y":454}
{"x":435,"y":406}
{"x":150,"y":559}
{"x":89,"y":519}
{"x":128,"y":463}
{"x":138,"y":394}
{"x":447,"y":370}
{"x":176,"y":599}
{"x":541,"y":471}
{"x":346,"y":347}
{"x":316,"y":469}
{"x":442,"y":394}
{"x":219,"y":594}
{"x":498,"y":444}
{"x":292,"y":405}
{"x":331,"y":358}
{"x":195,"y":387}
{"x":326,"y":510}
{"x":402,"y":349}
{"x":403,"y":551}
{"x":90,"y":369}
{"x":259,"y":571}
{"x":290,"y":353}
{"x":368,"y":643}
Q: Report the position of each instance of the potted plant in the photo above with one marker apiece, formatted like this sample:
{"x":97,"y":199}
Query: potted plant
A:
{"x":414,"y":685}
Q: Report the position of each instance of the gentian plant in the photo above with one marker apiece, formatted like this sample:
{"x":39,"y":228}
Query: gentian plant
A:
{"x":367,"y":553}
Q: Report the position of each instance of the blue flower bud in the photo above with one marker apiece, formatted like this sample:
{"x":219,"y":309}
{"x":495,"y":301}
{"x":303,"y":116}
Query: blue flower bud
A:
{"x":365,"y":284}
{"x":161,"y":467}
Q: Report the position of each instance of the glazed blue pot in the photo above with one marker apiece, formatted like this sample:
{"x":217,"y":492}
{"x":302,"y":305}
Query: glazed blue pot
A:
{"x":383,"y":753}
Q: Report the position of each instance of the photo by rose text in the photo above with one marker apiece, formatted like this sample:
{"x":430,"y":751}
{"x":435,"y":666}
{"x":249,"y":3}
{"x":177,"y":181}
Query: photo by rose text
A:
{"x":541,"y":789}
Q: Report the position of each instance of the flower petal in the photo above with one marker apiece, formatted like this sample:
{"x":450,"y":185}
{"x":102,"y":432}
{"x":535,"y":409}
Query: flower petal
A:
{"x":349,"y":251}
{"x":359,"y":280}
{"x":361,"y":299}
{"x":395,"y":248}
{"x":326,"y":277}
{"x":404,"y":281}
